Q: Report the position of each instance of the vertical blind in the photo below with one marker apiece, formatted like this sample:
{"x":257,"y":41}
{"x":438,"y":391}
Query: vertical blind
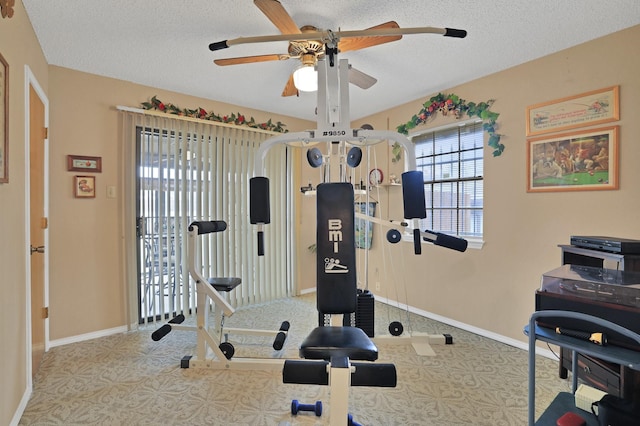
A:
{"x":179,"y":170}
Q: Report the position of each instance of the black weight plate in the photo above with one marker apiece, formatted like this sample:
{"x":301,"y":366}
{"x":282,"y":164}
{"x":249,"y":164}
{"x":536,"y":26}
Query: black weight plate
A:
{"x":394,"y":236}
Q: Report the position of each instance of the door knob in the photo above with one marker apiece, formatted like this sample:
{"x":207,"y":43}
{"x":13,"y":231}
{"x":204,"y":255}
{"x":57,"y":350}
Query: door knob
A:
{"x":39,"y":249}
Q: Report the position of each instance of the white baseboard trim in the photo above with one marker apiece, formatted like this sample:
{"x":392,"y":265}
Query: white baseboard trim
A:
{"x":88,"y":336}
{"x":307,"y":291}
{"x":470,"y":328}
{"x":22,"y":406}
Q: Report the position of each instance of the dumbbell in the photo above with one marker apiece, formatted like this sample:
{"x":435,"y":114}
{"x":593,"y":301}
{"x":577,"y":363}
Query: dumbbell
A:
{"x":350,"y":421}
{"x":296,"y":407}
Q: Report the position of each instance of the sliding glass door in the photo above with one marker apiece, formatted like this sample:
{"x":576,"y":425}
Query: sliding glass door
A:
{"x":188,"y":171}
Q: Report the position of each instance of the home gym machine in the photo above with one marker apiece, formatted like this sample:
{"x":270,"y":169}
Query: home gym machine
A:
{"x":215,"y":340}
{"x":331,"y":349}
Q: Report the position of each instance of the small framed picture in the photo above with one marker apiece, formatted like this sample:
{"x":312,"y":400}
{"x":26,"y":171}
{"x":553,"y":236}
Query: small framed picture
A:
{"x":82,"y":163}
{"x":84,"y":186}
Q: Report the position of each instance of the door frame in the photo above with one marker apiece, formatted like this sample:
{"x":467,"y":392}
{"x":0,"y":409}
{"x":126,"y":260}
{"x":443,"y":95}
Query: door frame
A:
{"x":31,"y":81}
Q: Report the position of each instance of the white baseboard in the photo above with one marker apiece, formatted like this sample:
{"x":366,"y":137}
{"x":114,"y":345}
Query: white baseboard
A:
{"x":307,"y":291}
{"x":22,"y":406}
{"x":88,"y":336}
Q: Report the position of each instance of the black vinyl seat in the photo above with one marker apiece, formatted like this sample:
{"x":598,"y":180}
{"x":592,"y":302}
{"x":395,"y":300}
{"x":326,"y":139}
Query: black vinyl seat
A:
{"x":327,"y":342}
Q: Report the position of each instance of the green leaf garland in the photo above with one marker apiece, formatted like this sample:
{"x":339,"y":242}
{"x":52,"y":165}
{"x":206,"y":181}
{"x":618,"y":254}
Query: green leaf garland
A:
{"x":201,"y":113}
{"x":452,"y":104}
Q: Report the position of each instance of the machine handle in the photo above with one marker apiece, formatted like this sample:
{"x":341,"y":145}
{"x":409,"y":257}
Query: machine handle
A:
{"x":452,"y":32}
{"x":260,"y":243}
{"x":218,"y":45}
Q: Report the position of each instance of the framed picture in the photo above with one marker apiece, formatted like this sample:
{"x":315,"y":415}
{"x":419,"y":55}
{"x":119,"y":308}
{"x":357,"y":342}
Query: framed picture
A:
{"x":587,"y":109}
{"x":84,"y":186}
{"x":4,"y":120}
{"x":580,"y":161}
{"x":82,"y":163}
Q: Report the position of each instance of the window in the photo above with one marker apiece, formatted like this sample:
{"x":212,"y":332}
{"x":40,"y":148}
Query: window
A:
{"x":451,"y":160}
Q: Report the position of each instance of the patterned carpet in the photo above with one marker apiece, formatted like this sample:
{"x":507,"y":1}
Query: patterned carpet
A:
{"x":128,"y":379}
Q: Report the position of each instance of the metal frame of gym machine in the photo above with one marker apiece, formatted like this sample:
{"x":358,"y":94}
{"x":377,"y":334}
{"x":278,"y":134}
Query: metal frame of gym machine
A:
{"x":334,"y":126}
{"x":334,"y":129}
{"x":208,"y":342}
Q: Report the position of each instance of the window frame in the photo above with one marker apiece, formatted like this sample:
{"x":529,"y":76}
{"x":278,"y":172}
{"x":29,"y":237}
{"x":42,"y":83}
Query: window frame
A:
{"x":475,"y":242}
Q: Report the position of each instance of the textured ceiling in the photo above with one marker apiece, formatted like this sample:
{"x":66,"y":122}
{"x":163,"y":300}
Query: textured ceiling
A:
{"x":164,"y":43}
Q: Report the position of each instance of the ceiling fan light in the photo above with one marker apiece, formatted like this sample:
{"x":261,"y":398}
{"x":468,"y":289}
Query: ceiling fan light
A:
{"x":305,"y":78}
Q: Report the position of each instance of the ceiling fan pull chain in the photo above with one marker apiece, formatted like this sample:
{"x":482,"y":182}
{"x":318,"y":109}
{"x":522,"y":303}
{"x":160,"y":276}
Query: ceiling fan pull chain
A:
{"x":332,"y":52}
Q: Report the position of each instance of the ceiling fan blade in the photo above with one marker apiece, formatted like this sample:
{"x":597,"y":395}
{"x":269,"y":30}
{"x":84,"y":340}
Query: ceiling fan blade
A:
{"x":250,"y":59}
{"x":278,"y":15}
{"x":325,"y":36}
{"x":290,"y":88}
{"x":355,"y":43}
{"x":360,"y":79}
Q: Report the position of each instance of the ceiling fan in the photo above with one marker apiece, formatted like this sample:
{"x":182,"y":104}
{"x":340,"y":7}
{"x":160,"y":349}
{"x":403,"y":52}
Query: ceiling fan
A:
{"x":310,"y":44}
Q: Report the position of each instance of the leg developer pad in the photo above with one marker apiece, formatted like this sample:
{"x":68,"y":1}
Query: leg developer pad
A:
{"x":317,"y":373}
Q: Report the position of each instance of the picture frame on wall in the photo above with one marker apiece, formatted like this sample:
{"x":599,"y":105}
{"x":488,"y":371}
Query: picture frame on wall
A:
{"x":84,"y":186}
{"x":83,"y":163}
{"x":585,"y":160}
{"x":586,"y":109}
{"x":4,"y":120}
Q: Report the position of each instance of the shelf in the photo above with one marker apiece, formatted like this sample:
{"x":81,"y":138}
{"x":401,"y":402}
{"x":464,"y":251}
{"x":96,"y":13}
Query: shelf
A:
{"x":605,"y":255}
{"x":564,"y":402}
{"x":614,"y":354}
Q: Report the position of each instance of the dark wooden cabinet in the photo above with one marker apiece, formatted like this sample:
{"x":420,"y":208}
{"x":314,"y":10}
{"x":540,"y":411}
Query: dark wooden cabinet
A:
{"x":611,"y":378}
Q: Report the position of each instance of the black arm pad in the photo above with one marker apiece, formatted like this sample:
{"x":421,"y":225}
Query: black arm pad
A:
{"x":413,"y":197}
{"x":452,"y":32}
{"x":451,"y":242}
{"x":218,"y":45}
{"x":259,"y":200}
{"x":209,"y":226}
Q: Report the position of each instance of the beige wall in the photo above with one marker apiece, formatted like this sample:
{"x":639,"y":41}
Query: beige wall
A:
{"x":86,"y":290}
{"x":19,"y":47}
{"x":493,"y":288}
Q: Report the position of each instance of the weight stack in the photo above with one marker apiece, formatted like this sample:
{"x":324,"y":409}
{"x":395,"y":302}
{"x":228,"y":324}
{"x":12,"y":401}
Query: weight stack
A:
{"x":365,"y":312}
